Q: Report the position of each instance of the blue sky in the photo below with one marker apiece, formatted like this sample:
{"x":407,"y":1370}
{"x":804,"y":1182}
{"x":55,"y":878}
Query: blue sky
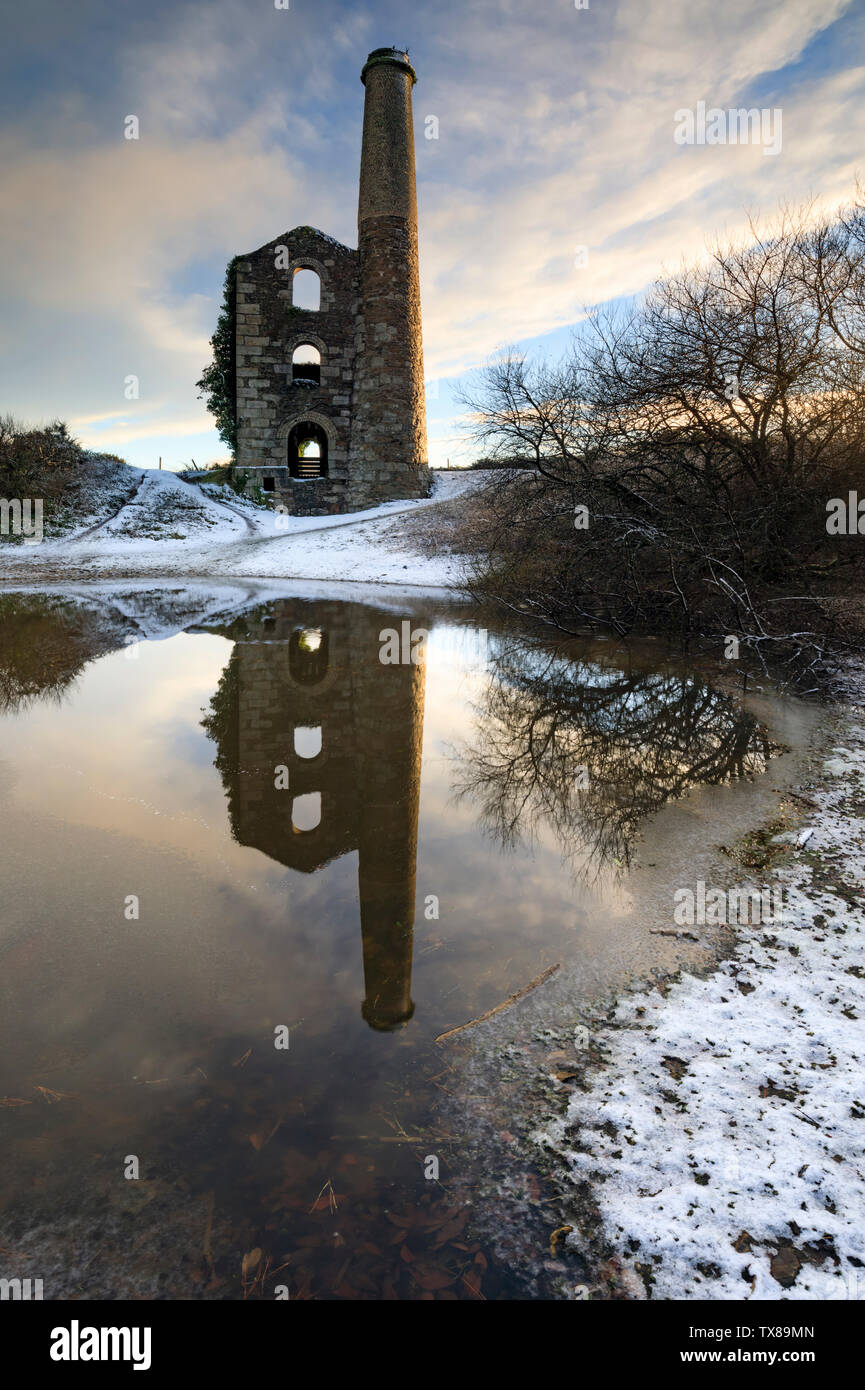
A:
{"x":555,"y":131}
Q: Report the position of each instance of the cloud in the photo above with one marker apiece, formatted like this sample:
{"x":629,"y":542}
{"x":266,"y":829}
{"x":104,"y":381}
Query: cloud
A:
{"x":555,"y":131}
{"x":498,"y":250}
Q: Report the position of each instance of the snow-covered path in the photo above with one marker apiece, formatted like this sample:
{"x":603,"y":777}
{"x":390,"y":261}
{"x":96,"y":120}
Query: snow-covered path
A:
{"x":168,"y":528}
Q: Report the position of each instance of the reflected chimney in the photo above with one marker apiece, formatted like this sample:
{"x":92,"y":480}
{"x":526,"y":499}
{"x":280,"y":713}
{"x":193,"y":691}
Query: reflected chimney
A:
{"x":390,"y":798}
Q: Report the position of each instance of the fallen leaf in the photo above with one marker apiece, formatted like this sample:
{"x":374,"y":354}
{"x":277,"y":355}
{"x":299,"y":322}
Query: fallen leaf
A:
{"x":558,"y":1236}
{"x":785,"y":1265}
{"x":432,"y":1277}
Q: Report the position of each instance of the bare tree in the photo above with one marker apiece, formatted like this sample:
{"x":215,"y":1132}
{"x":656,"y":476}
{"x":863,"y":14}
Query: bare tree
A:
{"x":684,"y":452}
{"x":593,"y":752}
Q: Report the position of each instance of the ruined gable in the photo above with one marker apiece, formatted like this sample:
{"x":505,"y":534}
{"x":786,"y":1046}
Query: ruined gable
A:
{"x":270,"y":328}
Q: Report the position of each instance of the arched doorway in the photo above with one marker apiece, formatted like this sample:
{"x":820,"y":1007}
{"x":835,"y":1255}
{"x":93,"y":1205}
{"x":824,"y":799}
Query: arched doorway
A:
{"x":307,"y":655}
{"x":307,"y":451}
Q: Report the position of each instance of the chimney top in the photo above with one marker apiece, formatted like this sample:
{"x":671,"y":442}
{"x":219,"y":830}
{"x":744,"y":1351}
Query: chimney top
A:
{"x":391,"y":57}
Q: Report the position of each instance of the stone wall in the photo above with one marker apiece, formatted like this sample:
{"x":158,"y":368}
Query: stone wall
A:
{"x":268,"y":329}
{"x":370,"y":400}
{"x":388,"y":457}
{"x":270,"y":704}
{"x":302,"y":497}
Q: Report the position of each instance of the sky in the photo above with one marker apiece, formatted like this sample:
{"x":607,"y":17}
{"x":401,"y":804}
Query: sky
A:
{"x":556,"y":181}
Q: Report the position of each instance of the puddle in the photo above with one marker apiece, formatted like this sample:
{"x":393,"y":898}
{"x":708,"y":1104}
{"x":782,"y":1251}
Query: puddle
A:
{"x":252,"y":871}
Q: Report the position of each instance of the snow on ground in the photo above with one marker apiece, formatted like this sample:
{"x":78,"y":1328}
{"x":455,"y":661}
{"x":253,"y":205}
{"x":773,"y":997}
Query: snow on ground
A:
{"x":722,"y":1136}
{"x":164,"y":509}
{"x":165,"y":526}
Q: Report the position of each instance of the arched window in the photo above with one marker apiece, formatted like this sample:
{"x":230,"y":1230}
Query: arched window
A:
{"x":307,"y":740}
{"x":306,"y":290}
{"x":306,"y":812}
{"x":307,"y":655}
{"x":306,"y":363}
{"x":307,"y":451}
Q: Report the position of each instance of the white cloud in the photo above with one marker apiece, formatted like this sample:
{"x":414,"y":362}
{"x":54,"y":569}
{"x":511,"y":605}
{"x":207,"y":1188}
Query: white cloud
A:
{"x":497,"y":251}
{"x":555,"y":131}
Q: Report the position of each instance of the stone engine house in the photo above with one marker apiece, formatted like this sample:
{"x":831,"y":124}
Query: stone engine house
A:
{"x":330,"y":399}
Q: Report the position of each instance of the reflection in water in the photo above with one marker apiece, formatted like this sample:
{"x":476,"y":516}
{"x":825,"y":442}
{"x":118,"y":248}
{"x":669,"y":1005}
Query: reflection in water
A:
{"x":44,"y":644}
{"x":592,"y":753}
{"x":319,"y":748}
{"x":157,"y":1037}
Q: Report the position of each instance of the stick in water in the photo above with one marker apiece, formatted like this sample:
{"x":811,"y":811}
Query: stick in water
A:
{"x":506,"y":1004}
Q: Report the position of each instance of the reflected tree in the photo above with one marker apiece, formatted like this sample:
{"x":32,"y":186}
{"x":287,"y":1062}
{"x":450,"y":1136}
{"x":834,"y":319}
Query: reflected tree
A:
{"x":45,"y":641}
{"x":592,"y":752}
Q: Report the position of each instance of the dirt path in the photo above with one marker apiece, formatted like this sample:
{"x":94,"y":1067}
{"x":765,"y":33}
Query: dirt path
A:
{"x":94,"y":530}
{"x":236,"y":511}
{"x":229,"y":506}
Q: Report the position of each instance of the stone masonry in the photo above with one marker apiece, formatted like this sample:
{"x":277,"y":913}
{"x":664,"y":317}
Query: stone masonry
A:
{"x":367,"y":410}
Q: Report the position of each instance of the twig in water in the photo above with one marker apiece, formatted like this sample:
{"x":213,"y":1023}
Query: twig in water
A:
{"x":332,"y":1203}
{"x":211,"y":1199}
{"x":506,"y":1004}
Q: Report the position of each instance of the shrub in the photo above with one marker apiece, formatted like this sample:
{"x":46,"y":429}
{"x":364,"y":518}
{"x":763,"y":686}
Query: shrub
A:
{"x":37,"y":460}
